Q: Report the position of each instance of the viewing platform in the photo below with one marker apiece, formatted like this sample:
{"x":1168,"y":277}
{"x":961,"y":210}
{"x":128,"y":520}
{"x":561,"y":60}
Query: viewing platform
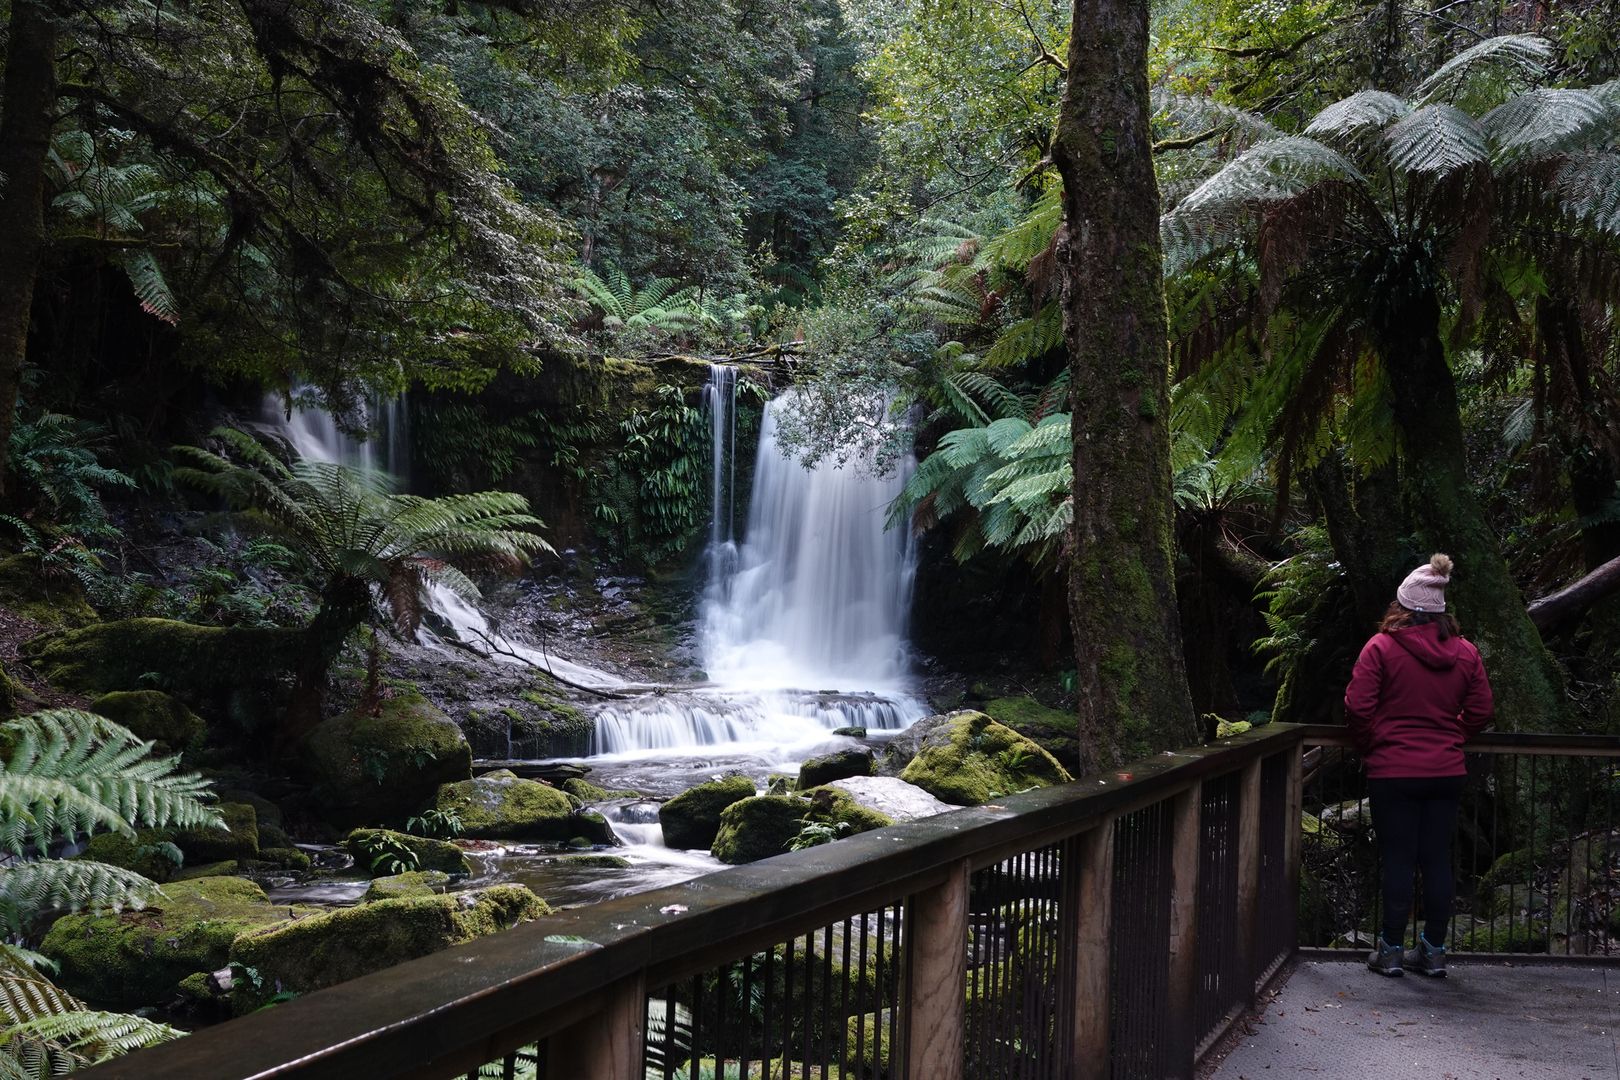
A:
{"x":1133,"y":924}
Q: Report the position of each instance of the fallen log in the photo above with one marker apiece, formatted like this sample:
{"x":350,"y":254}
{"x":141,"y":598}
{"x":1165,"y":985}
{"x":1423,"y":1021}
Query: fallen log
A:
{"x":1575,"y":599}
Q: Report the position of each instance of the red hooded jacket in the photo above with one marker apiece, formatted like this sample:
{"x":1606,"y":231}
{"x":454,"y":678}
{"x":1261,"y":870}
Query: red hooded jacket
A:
{"x":1413,"y":700}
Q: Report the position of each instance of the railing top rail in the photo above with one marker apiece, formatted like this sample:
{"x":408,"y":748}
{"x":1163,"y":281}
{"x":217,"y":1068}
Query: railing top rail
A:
{"x":1492,"y":742}
{"x":399,"y":1020}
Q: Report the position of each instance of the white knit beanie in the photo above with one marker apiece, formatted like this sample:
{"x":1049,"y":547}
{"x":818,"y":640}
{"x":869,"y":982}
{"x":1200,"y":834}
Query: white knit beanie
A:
{"x":1425,"y":588}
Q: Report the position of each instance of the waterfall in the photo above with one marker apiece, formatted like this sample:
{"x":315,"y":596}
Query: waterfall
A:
{"x":820,"y":592}
{"x":802,"y":623}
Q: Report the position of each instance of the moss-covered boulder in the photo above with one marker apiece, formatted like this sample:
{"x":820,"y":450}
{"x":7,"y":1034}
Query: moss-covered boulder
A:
{"x":592,"y":826}
{"x":596,"y":862}
{"x":439,"y":855}
{"x":378,"y":770}
{"x":138,"y":957}
{"x":238,"y":840}
{"x":835,"y":806}
{"x":414,"y":883}
{"x":53,"y":600}
{"x":131,"y":653}
{"x":332,"y":947}
{"x":587,"y":792}
{"x":891,"y":796}
{"x":692,"y":818}
{"x":223,"y":868}
{"x":968,"y":759}
{"x":1052,"y":729}
{"x":758,"y":827}
{"x":501,"y":805}
{"x":838,"y":765}
{"x":281,"y":858}
{"x":148,"y":853}
{"x":154,"y":716}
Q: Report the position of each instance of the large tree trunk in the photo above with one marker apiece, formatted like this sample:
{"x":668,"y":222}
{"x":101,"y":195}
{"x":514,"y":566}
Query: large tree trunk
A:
{"x":1131,"y":674}
{"x":26,"y":114}
{"x":1446,"y":516}
{"x":345,"y":607}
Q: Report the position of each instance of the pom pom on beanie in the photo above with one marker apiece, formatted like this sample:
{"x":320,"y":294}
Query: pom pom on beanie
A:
{"x":1425,"y":588}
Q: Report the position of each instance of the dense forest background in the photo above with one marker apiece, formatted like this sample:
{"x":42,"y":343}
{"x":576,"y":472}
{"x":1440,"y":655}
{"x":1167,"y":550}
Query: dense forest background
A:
{"x":503,"y":243}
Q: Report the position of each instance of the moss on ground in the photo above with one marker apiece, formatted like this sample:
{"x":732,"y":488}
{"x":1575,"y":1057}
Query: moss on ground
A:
{"x":129,"y":653}
{"x":53,"y":600}
{"x":154,"y":716}
{"x":335,"y":946}
{"x":136,"y":958}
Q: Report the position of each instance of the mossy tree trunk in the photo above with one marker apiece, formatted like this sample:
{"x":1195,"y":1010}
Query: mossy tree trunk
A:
{"x":1131,"y":674}
{"x":345,"y":607}
{"x":1445,"y":515}
{"x":26,"y":116}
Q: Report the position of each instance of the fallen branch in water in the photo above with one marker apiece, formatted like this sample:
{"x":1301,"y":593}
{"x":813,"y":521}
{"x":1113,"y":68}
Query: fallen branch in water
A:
{"x":501,"y":649}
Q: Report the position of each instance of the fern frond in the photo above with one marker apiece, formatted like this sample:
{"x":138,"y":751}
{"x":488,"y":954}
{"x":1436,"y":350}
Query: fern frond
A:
{"x":1027,"y":339}
{"x":1436,"y":140}
{"x":1351,"y":121}
{"x":151,"y":287}
{"x":93,"y":1035}
{"x":46,"y":885}
{"x":1493,"y":68}
{"x":1542,"y":123}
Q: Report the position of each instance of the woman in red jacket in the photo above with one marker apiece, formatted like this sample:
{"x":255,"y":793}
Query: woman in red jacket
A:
{"x":1418,"y":693}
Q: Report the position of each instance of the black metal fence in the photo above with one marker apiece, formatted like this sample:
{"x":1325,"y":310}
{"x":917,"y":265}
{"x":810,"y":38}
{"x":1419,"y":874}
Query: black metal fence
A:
{"x":1111,"y":927}
{"x":1536,"y":858}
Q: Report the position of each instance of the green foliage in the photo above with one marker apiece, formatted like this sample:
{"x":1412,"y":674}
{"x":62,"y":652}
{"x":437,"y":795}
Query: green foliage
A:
{"x":816,"y":833}
{"x":387,"y":855}
{"x":54,"y":461}
{"x":435,"y":824}
{"x":351,"y":527}
{"x":68,"y":774}
{"x":660,"y":473}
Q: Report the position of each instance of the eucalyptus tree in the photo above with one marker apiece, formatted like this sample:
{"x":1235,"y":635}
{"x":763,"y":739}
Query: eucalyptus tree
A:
{"x":1360,"y":255}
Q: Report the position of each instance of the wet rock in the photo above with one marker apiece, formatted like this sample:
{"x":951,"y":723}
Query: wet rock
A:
{"x":332,"y":947}
{"x":692,"y":818}
{"x":758,"y":827}
{"x":135,"y":958}
{"x":968,"y":759}
{"x":1053,"y":729}
{"x":592,"y":826}
{"x":835,"y":766}
{"x":599,"y":862}
{"x":503,"y":806}
{"x":851,"y":732}
{"x":587,"y":792}
{"x":891,"y":796}
{"x":834,"y":806}
{"x":238,"y":840}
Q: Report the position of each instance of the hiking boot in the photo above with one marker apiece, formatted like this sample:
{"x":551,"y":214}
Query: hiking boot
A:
{"x":1427,"y":959}
{"x":1386,"y":959}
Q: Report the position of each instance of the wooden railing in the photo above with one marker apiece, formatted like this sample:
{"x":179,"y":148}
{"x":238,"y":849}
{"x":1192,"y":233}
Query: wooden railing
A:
{"x":1115,"y":926}
{"x":1536,"y":854}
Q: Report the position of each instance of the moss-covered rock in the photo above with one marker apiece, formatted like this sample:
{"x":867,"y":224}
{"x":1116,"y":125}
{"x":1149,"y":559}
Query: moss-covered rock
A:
{"x":131,"y":653}
{"x":839,"y":765}
{"x":154,"y":716}
{"x":53,"y":600}
{"x":1052,"y":729}
{"x":692,"y":818}
{"x":238,"y":840}
{"x":501,"y":805}
{"x":598,"y":862}
{"x":332,"y":947}
{"x":147,"y":853}
{"x":592,"y":826}
{"x":866,"y":1044}
{"x":377,"y":770}
{"x":430,"y":854}
{"x":1512,"y":868}
{"x":282,"y":858}
{"x":414,"y":883}
{"x":1519,"y":937}
{"x":968,"y":759}
{"x":138,"y":957}
{"x":587,"y":792}
{"x":223,"y":868}
{"x":834,"y":806}
{"x":758,"y":827}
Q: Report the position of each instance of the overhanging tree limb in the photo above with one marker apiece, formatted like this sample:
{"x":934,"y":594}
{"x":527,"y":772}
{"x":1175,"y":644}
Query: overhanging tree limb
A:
{"x":1575,"y":599}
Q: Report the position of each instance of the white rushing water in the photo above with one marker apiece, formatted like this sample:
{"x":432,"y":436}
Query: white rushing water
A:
{"x":802,"y":624}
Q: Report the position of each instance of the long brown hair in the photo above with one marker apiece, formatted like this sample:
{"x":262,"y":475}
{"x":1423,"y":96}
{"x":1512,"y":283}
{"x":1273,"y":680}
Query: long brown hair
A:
{"x":1399,"y":618}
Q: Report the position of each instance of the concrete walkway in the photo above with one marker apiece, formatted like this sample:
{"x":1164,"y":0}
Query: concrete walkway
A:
{"x":1484,"y":1022}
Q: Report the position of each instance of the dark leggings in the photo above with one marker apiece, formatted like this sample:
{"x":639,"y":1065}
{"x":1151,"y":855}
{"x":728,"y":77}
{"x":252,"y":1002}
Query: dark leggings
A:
{"x":1415,"y":819}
